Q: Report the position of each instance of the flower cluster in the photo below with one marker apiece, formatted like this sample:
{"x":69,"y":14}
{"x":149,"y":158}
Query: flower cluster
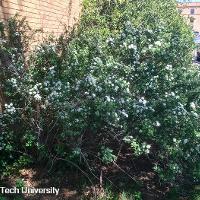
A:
{"x":10,"y":108}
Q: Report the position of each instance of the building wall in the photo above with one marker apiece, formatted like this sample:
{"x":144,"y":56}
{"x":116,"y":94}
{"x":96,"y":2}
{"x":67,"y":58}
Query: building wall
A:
{"x":48,"y":15}
{"x":186,"y":10}
{"x":51,"y":16}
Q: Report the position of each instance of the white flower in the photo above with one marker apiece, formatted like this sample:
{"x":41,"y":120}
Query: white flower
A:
{"x":143,"y":101}
{"x":172,"y":94}
{"x":54,"y":93}
{"x":150,"y":46}
{"x":110,"y":40}
{"x":79,"y":109}
{"x":157,"y":123}
{"x":193,"y":106}
{"x":108,"y":98}
{"x":158,"y":43}
{"x":185,"y":141}
{"x":91,"y":79}
{"x":116,"y":88}
{"x":168,"y":67}
{"x":43,"y":106}
{"x":10,"y":108}
{"x":124,"y":113}
{"x":46,"y":83}
{"x":132,"y":46}
{"x":125,"y":44}
{"x":30,"y":92}
{"x":17,"y":33}
{"x":52,"y":70}
{"x":144,"y":50}
{"x":14,"y":82}
{"x":122,"y":100}
{"x":147,"y":151}
{"x":148,"y":146}
{"x":46,"y":102}
{"x":37,"y":97}
{"x":195,"y":114}
{"x":58,"y":85}
{"x":2,"y":41}
{"x":127,"y":90}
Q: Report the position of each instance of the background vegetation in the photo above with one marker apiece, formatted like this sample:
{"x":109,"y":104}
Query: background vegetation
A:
{"x":121,"y":87}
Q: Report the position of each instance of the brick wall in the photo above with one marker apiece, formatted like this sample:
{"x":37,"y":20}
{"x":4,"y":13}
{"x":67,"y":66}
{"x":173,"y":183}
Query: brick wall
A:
{"x":49,"y":15}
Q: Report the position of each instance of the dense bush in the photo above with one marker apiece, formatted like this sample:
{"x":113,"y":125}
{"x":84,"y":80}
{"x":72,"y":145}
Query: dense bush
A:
{"x":124,"y":79}
{"x":133,"y":60}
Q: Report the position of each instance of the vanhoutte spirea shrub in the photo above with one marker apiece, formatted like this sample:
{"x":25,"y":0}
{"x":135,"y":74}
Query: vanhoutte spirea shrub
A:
{"x":124,"y":78}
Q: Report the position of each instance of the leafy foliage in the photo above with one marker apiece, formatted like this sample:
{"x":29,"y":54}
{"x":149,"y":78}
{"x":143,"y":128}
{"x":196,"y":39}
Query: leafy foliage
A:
{"x":124,"y":79}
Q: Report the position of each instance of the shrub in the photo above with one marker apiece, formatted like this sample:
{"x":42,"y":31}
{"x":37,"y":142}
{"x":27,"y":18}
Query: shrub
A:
{"x":125,"y":78}
{"x":132,"y":63}
{"x":11,"y":64}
